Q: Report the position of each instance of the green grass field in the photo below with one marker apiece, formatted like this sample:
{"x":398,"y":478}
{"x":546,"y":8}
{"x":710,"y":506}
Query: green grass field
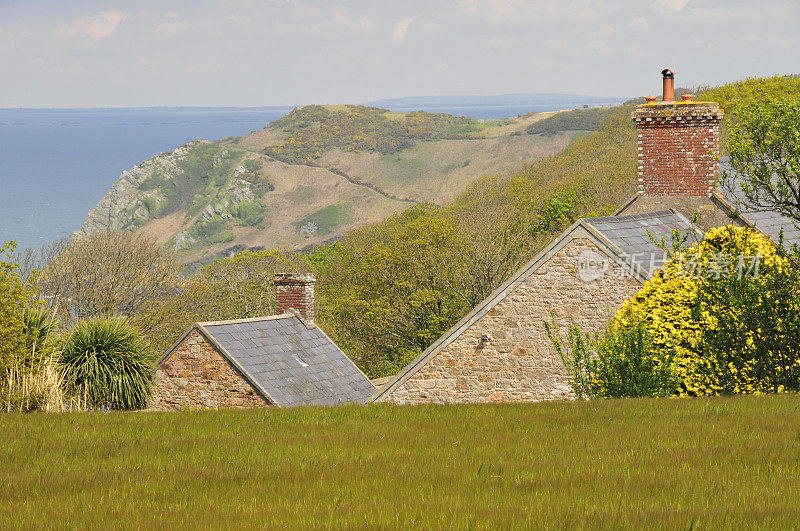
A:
{"x":688,"y":463}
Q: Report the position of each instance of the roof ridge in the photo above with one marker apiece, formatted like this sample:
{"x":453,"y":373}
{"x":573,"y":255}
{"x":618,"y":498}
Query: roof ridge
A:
{"x":286,"y":315}
{"x":627,"y":217}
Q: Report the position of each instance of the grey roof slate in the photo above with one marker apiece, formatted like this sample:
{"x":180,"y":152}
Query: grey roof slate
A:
{"x":293,"y":363}
{"x":770,"y":223}
{"x":630,"y":234}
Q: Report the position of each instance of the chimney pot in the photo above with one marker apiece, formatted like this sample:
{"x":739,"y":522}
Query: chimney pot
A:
{"x":295,"y":292}
{"x":649,"y":99}
{"x":687,"y":97}
{"x":668,"y":94}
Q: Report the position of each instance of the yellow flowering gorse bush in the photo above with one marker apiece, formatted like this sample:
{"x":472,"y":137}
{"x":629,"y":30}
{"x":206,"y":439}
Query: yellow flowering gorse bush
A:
{"x":723,"y":314}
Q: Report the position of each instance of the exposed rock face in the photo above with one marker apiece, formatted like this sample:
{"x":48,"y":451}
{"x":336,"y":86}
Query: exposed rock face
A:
{"x":117,"y":210}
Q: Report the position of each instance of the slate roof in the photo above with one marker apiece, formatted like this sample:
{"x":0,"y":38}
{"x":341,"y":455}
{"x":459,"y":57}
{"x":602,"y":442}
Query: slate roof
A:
{"x":770,"y":223}
{"x":291,"y":363}
{"x":630,"y":235}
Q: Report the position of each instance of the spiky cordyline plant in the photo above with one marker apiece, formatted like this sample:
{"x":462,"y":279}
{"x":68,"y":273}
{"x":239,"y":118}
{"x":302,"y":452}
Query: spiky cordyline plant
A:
{"x":108,"y":364}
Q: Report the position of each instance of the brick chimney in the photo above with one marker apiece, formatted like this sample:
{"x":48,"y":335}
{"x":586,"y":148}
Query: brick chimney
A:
{"x":295,"y":292}
{"x":677,"y":142}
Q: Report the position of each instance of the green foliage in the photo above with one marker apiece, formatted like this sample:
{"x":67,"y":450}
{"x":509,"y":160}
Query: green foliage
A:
{"x":40,"y":332}
{"x":325,"y":220}
{"x":574,"y":120}
{"x":250,"y":213}
{"x":751,"y":90}
{"x":152,"y":205}
{"x":725,"y":314}
{"x":107,"y":363}
{"x":558,"y":211}
{"x":228,"y":288}
{"x":15,"y":295}
{"x":212,"y":231}
{"x":314,"y":129}
{"x":765,"y":154}
{"x":619,"y":364}
{"x":385,"y":294}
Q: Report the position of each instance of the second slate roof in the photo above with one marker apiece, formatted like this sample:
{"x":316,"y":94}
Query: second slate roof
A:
{"x":293,"y":363}
{"x":770,"y":223}
{"x":632,"y":235}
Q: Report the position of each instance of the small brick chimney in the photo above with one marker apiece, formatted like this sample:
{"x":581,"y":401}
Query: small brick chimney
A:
{"x":295,"y":292}
{"x":678,"y":142}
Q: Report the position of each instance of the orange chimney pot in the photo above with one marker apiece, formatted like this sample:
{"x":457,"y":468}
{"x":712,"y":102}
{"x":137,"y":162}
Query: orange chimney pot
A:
{"x":668,"y":94}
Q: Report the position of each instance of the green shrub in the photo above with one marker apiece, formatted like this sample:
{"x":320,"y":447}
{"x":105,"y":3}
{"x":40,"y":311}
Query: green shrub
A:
{"x":325,"y":220}
{"x":725,"y":313}
{"x":108,"y":364}
{"x":15,"y":296}
{"x":575,"y":120}
{"x":314,"y":129}
{"x":152,"y":205}
{"x":212,"y":232}
{"x":250,"y":212}
{"x":619,"y":364}
{"x":40,"y":332}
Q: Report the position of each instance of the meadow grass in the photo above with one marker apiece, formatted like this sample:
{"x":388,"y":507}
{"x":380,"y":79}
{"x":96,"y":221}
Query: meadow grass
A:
{"x":676,"y":463}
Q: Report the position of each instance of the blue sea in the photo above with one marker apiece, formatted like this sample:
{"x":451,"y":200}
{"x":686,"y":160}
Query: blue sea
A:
{"x":56,"y":164}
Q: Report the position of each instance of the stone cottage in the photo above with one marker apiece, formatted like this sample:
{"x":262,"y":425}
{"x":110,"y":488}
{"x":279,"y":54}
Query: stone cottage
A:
{"x":283,"y":360}
{"x":500,"y":352}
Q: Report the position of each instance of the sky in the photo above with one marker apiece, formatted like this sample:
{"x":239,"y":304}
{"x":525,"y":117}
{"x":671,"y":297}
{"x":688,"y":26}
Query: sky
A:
{"x":87,"y":53}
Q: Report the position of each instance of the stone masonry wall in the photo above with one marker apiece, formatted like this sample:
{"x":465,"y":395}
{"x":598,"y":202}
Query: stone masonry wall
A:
{"x":518,"y":362}
{"x":196,"y":375}
{"x":677,"y":144}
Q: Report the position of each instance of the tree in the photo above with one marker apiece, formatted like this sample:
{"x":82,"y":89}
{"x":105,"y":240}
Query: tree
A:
{"x":229,"y":288}
{"x":112,"y":272}
{"x":385,"y":291}
{"x":15,"y":296}
{"x":765,"y":156}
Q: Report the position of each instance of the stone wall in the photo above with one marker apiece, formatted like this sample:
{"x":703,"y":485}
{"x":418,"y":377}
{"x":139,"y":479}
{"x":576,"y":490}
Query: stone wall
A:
{"x":196,"y":375}
{"x":517,"y":362}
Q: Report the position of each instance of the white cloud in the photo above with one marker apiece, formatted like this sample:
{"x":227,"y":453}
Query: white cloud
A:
{"x":174,"y":28}
{"x":94,"y":26}
{"x":599,"y":46}
{"x":675,"y":6}
{"x":497,"y":9}
{"x":345,"y":18}
{"x":400,"y":30}
{"x":638,"y":23}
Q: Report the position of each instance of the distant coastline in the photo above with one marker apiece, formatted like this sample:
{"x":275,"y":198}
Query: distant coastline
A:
{"x":58,"y":163}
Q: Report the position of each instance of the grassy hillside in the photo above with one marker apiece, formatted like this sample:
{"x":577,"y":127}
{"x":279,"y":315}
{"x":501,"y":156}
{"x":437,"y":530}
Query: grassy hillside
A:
{"x":265,"y":190}
{"x":674,"y":463}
